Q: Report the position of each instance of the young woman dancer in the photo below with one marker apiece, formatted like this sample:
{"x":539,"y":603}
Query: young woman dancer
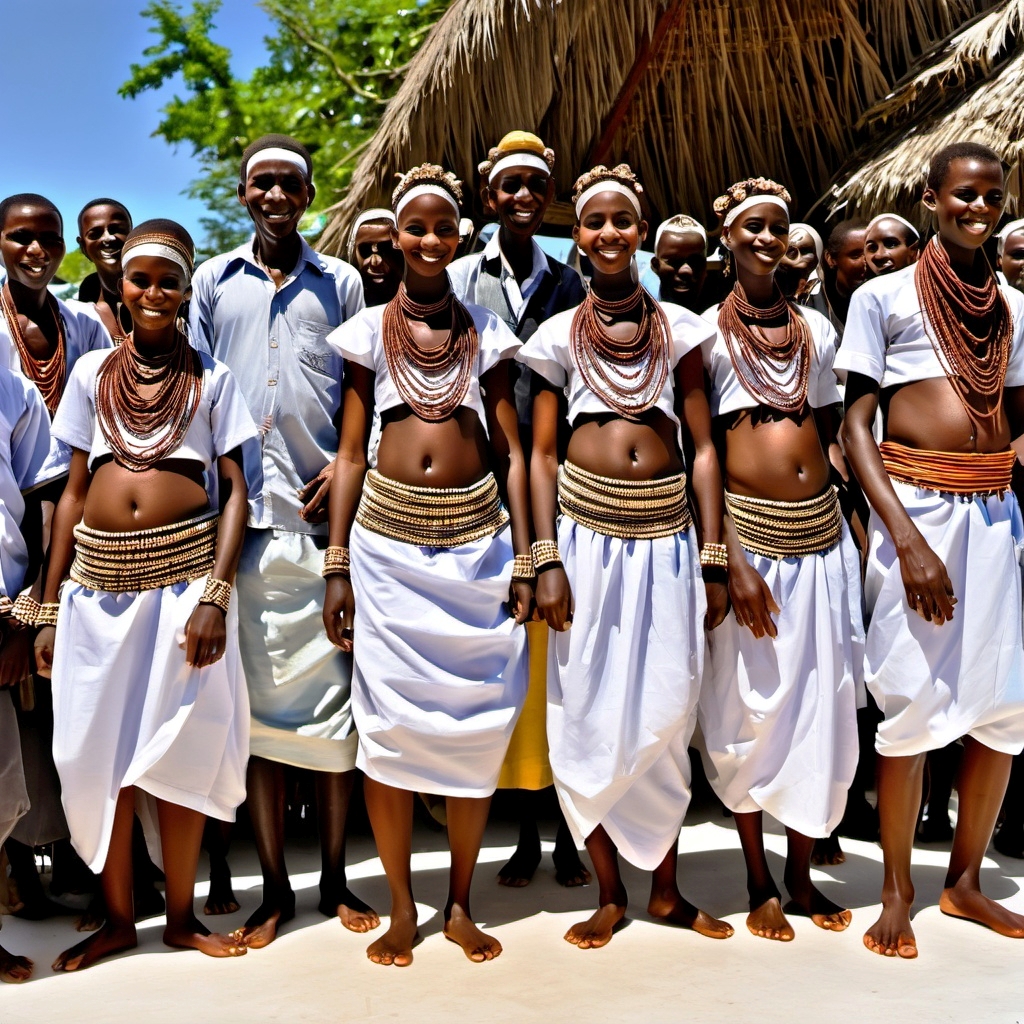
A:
{"x":149,"y":697}
{"x":778,"y":708}
{"x":940,"y":346}
{"x":622,"y":566}
{"x":439,"y":657}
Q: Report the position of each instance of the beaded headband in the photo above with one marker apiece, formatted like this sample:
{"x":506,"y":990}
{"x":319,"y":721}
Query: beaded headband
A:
{"x":667,"y":227}
{"x":167,"y":247}
{"x":425,"y":190}
{"x":751,"y":201}
{"x":819,"y":245}
{"x":1007,"y":230}
{"x":895,"y":216}
{"x":608,"y":185}
{"x":277,"y":153}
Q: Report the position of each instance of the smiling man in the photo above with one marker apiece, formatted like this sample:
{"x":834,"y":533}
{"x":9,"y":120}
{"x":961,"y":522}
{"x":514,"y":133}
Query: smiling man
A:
{"x":891,"y":243}
{"x":103,"y":225}
{"x":265,"y":309}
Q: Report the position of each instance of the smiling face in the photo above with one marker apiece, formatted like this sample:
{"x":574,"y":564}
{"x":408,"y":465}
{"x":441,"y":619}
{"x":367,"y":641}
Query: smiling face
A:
{"x":850,"y":263}
{"x":758,"y":239}
{"x":104,"y":229}
{"x":31,"y":245}
{"x":1011,"y":262}
{"x":518,"y":197}
{"x":152,"y":289}
{"x":887,"y":248}
{"x":801,"y":257}
{"x":428,"y":235}
{"x":379,"y":262}
{"x":609,"y":232}
{"x":276,"y":194}
{"x":967,"y":205}
{"x":681,"y":264}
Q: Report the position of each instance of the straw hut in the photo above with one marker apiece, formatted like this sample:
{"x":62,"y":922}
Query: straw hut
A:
{"x":692,"y":93}
{"x":966,"y":88}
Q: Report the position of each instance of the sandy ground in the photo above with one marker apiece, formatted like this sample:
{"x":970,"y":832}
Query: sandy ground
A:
{"x":317,"y":972}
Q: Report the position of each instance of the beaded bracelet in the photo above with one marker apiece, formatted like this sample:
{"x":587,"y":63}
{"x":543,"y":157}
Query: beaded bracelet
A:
{"x":336,"y":561}
{"x":545,"y":554}
{"x":25,"y":609}
{"x":714,"y":555}
{"x":217,"y":592}
{"x":523,"y":570}
{"x":47,"y":615}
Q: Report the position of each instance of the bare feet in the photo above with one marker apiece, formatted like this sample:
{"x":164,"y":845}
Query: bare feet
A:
{"x":93,"y":916}
{"x":570,"y":871}
{"x":769,"y":922}
{"x":821,"y":910}
{"x":193,"y":935}
{"x":221,"y":898}
{"x":475,"y":944}
{"x":353,"y":913}
{"x":394,"y":947}
{"x":597,"y":930}
{"x":14,"y":969}
{"x":673,"y":909}
{"x":891,"y":934}
{"x":518,"y":870}
{"x":975,"y":906}
{"x":261,"y":928}
{"x":828,"y":851}
{"x":108,"y":940}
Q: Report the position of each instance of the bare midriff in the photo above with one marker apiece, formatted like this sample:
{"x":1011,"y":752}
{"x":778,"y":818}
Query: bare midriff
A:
{"x":621,"y":449}
{"x":120,"y":501}
{"x":449,"y":453}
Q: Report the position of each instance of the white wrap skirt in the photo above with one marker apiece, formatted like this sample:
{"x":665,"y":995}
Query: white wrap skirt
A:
{"x":623,"y":685}
{"x":440,"y":670}
{"x":128,"y":710}
{"x":779,"y":717}
{"x":935,"y":684}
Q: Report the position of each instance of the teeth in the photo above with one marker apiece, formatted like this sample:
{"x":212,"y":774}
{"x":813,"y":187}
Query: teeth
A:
{"x":430,"y":259}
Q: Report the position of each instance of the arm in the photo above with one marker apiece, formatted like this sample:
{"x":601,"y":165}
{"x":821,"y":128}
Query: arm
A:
{"x":205,"y":631}
{"x":929,"y":590}
{"x":554,"y":597}
{"x":200,"y":316}
{"x":706,"y":473}
{"x":503,"y":428}
{"x":349,"y":470}
{"x":825,"y":420}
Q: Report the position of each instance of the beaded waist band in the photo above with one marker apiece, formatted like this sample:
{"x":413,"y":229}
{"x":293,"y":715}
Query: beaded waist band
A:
{"x":145,"y":559}
{"x":787,"y":529}
{"x":628,"y":509}
{"x":949,"y":472}
{"x":430,"y":517}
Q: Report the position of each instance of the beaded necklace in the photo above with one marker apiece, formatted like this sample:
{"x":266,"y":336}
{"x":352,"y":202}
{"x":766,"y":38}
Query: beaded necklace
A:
{"x":432,"y":382}
{"x":974,"y":362}
{"x":47,"y":374}
{"x":629,"y":376}
{"x":776,"y":373}
{"x":124,"y":414}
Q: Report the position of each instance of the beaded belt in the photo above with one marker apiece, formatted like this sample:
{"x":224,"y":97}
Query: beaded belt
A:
{"x":430,"y":517}
{"x":145,"y":559}
{"x":949,"y":472}
{"x":628,"y":509}
{"x":787,"y":529}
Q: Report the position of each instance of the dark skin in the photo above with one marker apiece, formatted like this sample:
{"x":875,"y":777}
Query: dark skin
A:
{"x":379,"y":263}
{"x":153,"y":289}
{"x":848,"y":270}
{"x":795,"y":268}
{"x":781,"y":458}
{"x":450,"y":453}
{"x":889,"y":247}
{"x":103,"y":231}
{"x":609,"y":232}
{"x":681,"y":264}
{"x":1011,"y":260}
{"x":519,"y":198}
{"x":928,"y":415}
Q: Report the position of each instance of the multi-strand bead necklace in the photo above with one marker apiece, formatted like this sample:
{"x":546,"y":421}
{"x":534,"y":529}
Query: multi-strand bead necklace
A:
{"x":47,"y":374}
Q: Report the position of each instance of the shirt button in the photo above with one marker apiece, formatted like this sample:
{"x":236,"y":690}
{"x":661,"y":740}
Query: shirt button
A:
{"x":271,"y":381}
{"x":273,"y":344}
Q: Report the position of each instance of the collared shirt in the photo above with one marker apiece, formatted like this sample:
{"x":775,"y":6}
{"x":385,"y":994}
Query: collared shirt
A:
{"x":465,"y":273}
{"x":274,"y":341}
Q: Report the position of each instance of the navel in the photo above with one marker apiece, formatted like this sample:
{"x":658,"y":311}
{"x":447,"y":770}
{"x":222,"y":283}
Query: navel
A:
{"x":428,"y":462}
{"x":634,"y":455}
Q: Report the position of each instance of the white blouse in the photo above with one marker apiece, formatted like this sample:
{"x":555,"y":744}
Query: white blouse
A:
{"x":360,"y":340}
{"x":886,"y":337}
{"x":549,"y":353}
{"x":727,"y":391}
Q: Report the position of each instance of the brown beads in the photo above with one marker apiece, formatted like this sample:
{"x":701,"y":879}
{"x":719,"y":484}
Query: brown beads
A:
{"x":48,"y":375}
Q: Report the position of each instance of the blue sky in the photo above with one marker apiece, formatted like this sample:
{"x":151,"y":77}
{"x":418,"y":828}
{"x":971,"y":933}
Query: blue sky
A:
{"x":66,"y":132}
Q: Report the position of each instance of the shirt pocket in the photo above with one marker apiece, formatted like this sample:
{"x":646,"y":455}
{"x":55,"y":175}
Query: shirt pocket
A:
{"x":313,"y":352}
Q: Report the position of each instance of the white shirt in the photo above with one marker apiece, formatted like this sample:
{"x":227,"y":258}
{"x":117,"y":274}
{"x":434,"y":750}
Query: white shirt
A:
{"x":464,"y":272}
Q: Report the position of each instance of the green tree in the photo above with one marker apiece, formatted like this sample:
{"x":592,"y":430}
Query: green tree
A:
{"x":332,"y":66}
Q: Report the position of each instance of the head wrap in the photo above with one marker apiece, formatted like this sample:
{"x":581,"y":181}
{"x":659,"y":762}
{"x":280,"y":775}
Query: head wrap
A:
{"x":426,"y":189}
{"x":366,"y":217}
{"x":277,"y":153}
{"x":750,"y":202}
{"x":1006,"y":231}
{"x":167,"y":247}
{"x":672,"y":226}
{"x":608,"y":185}
{"x":819,"y":245}
{"x":916,"y":235}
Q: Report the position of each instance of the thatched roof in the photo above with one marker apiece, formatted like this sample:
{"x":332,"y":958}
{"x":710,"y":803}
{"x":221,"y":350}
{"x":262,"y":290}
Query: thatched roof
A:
{"x":693,"y":94}
{"x":970,"y":87}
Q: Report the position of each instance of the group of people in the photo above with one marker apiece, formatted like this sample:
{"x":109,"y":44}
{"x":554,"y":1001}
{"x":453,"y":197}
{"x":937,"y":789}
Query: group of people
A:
{"x":498,"y":521}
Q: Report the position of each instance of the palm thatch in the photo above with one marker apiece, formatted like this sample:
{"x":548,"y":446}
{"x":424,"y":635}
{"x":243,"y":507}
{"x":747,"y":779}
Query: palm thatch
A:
{"x":966,"y":88}
{"x":693,"y":94}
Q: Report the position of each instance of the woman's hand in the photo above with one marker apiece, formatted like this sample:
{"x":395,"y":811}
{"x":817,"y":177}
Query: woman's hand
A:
{"x":44,"y":650}
{"x":520,"y":601}
{"x":717,"y":593}
{"x":316,"y":494}
{"x":554,"y":598}
{"x":752,"y":601}
{"x":339,"y":611}
{"x":928,"y":587}
{"x":206,"y":636}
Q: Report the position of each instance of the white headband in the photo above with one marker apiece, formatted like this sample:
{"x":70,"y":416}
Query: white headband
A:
{"x":520,"y":159}
{"x":378,"y":213}
{"x":424,"y":190}
{"x":819,"y":245}
{"x":679,"y":229}
{"x":748,"y":203}
{"x":895,"y":216}
{"x":608,"y":185}
{"x":1007,"y":230}
{"x":270,"y":153}
{"x":129,"y":252}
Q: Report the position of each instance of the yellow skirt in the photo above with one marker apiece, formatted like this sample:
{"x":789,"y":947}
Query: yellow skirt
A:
{"x":526,"y":763}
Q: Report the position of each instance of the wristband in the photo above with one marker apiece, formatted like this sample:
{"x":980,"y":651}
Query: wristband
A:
{"x":714,"y":555}
{"x":336,"y":561}
{"x":47,"y":615}
{"x":217,"y":592}
{"x":26,"y":609}
{"x":523,"y":570}
{"x":545,"y":555}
